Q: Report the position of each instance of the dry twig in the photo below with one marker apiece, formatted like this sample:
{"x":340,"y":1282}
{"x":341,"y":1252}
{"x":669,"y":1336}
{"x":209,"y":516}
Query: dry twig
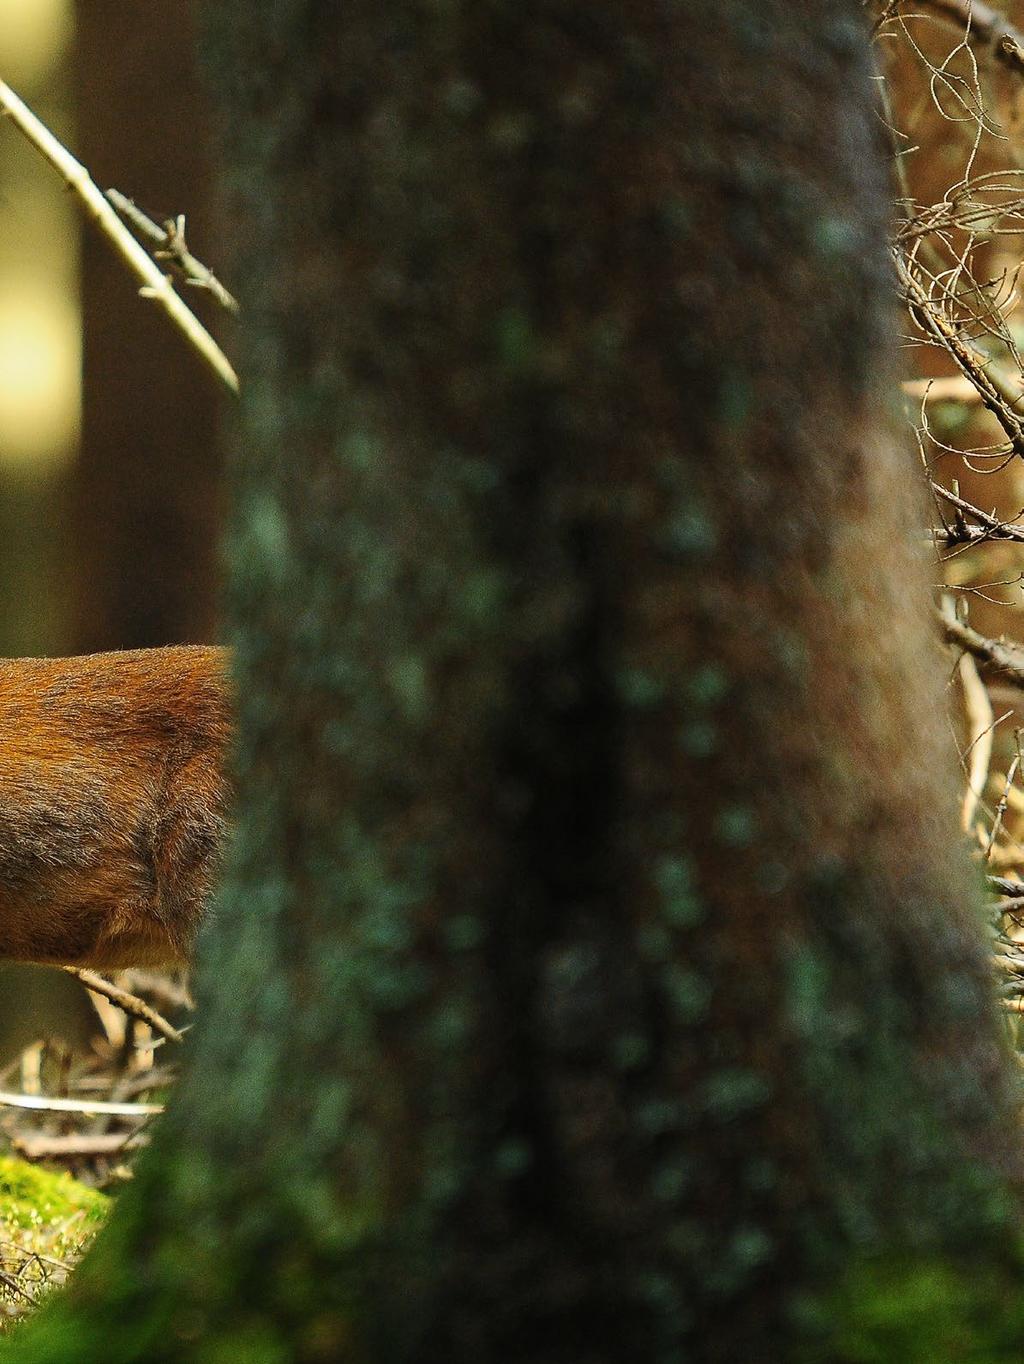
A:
{"x":1006,"y":659}
{"x":45,"y":1105}
{"x":155,"y":284}
{"x":75,"y":1145}
{"x":980,"y":727}
{"x":1001,"y":807}
{"x":985,"y":28}
{"x":131,"y":1004}
{"x":933,"y":308}
{"x":169,"y":243}
{"x":989,"y":526}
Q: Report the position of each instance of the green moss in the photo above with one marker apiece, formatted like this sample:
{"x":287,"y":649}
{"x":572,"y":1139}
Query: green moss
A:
{"x":46,"y":1220}
{"x":254,"y":1342}
{"x":262,"y":542}
{"x":789,"y":648}
{"x":927,"y":1310}
{"x":32,"y":1197}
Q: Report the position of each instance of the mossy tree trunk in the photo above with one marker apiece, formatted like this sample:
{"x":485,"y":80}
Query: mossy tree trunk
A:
{"x":598,"y":975}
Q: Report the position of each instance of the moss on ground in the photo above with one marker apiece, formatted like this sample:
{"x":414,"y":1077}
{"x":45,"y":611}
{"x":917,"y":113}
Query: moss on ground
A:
{"x":46,"y":1221}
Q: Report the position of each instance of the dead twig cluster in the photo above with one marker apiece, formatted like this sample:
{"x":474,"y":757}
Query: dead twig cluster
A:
{"x":88,"y":1111}
{"x":951,"y":90}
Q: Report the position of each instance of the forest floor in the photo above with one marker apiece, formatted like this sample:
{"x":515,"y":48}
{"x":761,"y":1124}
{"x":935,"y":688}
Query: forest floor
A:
{"x":46,"y":1221}
{"x":72,"y":1116}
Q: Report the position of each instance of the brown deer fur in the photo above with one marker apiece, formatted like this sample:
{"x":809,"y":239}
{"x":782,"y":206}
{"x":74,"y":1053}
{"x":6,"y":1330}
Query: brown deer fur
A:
{"x":113,"y":803}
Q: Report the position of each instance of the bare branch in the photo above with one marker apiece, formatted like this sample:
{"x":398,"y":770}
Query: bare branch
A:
{"x":989,"y":527}
{"x":75,"y":1145}
{"x":169,"y":242}
{"x":1006,"y":659}
{"x":155,"y":284}
{"x":955,"y":389}
{"x":131,"y":1004}
{"x":984,"y":28}
{"x":41,"y":1104}
{"x":980,"y":720}
{"x":1000,"y":392}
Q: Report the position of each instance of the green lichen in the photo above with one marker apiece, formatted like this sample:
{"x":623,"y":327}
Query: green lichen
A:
{"x":690,"y":533}
{"x":699,"y":738}
{"x":516,"y":341}
{"x":728,"y":1093}
{"x":834,"y":236}
{"x":736,"y":826}
{"x":670,"y":1181}
{"x":686,"y":991}
{"x":630,"y":1051}
{"x":512,"y":1158}
{"x":464,"y":932}
{"x":676,"y":216}
{"x":675,"y":878}
{"x":708,"y":685}
{"x":639,"y":689}
{"x":735,"y":401}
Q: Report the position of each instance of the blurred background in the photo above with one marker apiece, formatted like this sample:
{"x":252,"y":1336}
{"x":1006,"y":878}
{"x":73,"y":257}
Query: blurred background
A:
{"x":110,"y":463}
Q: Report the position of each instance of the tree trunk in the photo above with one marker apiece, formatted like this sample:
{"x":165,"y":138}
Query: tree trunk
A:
{"x":598,"y":975}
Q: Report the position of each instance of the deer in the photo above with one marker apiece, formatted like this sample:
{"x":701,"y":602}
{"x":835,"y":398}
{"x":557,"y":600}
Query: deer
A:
{"x":114,"y":804}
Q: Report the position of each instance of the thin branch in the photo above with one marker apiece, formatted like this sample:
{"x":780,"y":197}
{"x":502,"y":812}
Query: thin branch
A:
{"x":115,"y":1110}
{"x":1004,"y":800}
{"x":43,"y":1146}
{"x":955,"y":388}
{"x":1013,"y":890}
{"x":1000,"y":394}
{"x":14,"y":1286}
{"x":131,"y":1004}
{"x":169,"y":242}
{"x":155,"y":284}
{"x":980,"y":726}
{"x":950,"y":538}
{"x":989,"y":526}
{"x":984,"y":28}
{"x":1006,"y":659}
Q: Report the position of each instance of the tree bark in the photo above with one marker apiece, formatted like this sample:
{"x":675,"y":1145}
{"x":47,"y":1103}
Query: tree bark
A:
{"x":598,"y":974}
